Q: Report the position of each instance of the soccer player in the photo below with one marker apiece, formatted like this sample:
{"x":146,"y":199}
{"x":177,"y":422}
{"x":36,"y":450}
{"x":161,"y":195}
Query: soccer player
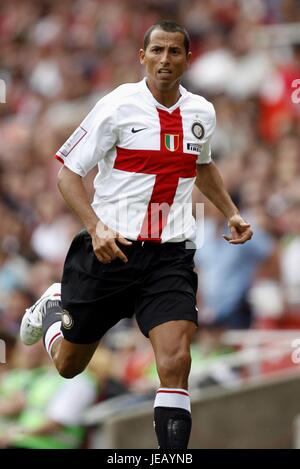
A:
{"x":151,"y":142}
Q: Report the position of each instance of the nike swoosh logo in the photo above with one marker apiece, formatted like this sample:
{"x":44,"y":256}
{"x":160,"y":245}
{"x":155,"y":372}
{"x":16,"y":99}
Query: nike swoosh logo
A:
{"x":134,"y":131}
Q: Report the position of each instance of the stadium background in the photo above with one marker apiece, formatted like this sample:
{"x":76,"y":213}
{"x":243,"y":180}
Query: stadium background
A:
{"x":57,"y":58}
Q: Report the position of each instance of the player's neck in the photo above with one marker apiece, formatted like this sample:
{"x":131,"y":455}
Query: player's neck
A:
{"x":167,"y":97}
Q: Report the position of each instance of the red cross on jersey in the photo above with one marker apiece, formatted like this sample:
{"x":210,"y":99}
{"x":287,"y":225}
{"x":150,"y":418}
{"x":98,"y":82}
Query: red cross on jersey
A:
{"x":146,"y":155}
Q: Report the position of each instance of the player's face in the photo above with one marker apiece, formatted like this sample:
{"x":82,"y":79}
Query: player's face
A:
{"x":165,"y":59}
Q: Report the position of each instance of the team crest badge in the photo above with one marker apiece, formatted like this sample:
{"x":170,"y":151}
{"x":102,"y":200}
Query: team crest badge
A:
{"x":172,"y":142}
{"x":198,"y":130}
{"x":67,"y":319}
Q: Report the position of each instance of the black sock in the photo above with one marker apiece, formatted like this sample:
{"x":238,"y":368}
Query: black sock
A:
{"x":53,"y":314}
{"x":172,"y":427}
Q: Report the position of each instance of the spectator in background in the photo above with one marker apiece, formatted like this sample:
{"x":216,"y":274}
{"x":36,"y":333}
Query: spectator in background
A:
{"x":288,"y":316}
{"x":13,"y":273}
{"x":38,"y":408}
{"x":52,"y":226}
{"x":279,"y":112}
{"x":10,"y":318}
{"x":243,"y":67}
{"x":226,"y":274}
{"x":290,"y":260}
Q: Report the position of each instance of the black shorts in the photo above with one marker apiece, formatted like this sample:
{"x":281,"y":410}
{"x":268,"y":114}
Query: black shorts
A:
{"x":157,"y":284}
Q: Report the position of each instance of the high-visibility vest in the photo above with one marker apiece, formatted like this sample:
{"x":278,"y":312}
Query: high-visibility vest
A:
{"x":42,"y":389}
{"x":13,"y":382}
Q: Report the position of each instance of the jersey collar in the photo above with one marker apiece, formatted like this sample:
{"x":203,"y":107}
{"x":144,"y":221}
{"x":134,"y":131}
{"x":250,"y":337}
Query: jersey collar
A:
{"x":150,"y":96}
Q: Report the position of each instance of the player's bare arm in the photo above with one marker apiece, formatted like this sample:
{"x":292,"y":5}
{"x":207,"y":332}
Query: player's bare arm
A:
{"x":104,"y":239}
{"x":210,"y":182}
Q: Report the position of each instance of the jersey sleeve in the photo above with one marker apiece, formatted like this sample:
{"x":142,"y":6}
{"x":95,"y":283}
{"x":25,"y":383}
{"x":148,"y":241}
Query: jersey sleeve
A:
{"x":205,"y":153}
{"x":89,"y":143}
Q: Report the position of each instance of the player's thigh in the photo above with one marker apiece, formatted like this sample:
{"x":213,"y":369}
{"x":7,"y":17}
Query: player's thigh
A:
{"x":171,"y":337}
{"x":93,"y":294}
{"x":93,"y":299}
{"x":167,"y":296}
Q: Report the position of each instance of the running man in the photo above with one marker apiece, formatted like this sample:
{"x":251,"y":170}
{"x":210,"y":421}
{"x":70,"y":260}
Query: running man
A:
{"x":151,"y":142}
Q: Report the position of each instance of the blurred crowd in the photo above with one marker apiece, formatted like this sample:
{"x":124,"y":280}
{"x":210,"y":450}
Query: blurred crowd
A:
{"x":58,"y":57}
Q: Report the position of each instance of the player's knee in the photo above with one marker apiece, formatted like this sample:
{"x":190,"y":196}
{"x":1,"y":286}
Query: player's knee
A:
{"x":174,"y":363}
{"x":68,"y":370}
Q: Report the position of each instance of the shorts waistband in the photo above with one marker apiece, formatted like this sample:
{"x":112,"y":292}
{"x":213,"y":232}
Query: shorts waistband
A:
{"x":149,"y":243}
{"x":156,"y":244}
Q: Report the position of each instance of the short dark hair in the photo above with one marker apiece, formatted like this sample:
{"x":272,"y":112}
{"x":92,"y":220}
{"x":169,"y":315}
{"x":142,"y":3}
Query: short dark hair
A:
{"x":170,"y":27}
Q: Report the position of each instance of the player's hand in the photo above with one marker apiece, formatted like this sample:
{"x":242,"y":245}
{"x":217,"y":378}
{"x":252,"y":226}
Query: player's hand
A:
{"x":105,"y":244}
{"x":239,"y":229}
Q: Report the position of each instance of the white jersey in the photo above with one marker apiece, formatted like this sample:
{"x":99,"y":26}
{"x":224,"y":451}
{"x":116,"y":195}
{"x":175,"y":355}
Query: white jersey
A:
{"x":146,"y":155}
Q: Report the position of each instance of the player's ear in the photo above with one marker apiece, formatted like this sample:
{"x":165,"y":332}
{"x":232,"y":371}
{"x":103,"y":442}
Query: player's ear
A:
{"x":142,"y":56}
{"x":189,"y":59}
